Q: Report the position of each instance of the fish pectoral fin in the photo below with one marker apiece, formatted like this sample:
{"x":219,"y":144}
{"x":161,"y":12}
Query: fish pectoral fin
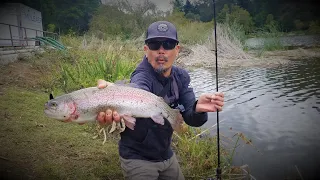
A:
{"x":158,"y":119}
{"x":129,"y":121}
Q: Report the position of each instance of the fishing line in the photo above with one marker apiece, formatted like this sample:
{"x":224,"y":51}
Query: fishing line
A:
{"x":218,"y":170}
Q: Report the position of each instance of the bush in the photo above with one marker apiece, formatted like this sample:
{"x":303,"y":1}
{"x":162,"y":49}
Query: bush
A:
{"x":271,"y":25}
{"x":190,"y":32}
{"x":51,"y":27}
{"x":314,"y":27}
{"x":237,"y":15}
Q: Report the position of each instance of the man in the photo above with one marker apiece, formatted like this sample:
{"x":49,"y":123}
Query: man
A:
{"x":145,"y":152}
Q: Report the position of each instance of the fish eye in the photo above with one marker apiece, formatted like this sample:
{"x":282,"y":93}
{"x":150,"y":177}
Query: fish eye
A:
{"x":53,"y":104}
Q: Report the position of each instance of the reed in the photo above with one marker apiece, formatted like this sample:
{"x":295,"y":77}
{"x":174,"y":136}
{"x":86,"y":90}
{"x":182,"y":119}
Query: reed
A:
{"x":89,"y":59}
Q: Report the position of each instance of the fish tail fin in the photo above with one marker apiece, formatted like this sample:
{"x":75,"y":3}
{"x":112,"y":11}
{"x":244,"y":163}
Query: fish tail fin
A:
{"x":177,"y":119}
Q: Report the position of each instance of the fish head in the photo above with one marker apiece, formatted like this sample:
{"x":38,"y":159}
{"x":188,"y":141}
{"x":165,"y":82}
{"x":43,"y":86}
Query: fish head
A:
{"x":60,"y":109}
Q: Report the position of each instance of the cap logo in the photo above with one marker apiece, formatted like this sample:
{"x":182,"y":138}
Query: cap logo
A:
{"x":162,"y":27}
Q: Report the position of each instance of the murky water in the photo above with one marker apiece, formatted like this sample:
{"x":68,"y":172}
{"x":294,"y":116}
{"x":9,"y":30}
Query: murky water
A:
{"x":278,"y":109}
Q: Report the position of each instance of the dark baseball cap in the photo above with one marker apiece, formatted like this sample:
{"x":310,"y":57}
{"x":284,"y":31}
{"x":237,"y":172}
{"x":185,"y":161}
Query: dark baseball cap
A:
{"x":162,"y":29}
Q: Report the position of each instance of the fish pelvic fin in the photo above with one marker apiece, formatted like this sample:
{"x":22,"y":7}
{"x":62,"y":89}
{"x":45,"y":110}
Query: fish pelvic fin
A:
{"x":129,"y":121}
{"x":158,"y":119}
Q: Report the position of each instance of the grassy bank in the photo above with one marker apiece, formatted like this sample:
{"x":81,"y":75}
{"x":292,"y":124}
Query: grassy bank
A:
{"x":42,"y":148}
{"x":36,"y":147}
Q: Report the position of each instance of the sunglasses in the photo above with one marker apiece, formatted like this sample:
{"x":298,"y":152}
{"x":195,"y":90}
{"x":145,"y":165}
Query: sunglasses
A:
{"x":167,"y":45}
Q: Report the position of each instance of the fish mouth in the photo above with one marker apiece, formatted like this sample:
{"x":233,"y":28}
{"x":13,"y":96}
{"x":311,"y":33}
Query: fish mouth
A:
{"x":50,"y":114}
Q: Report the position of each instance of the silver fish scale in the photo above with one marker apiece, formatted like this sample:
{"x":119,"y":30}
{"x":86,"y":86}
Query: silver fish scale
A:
{"x":124,"y":99}
{"x":85,"y":104}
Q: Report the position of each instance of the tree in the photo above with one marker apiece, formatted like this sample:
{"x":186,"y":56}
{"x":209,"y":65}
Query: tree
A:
{"x":205,"y":10}
{"x":271,"y":25}
{"x":65,"y":15}
{"x":177,"y":5}
{"x":75,"y":15}
{"x":236,"y":15}
{"x":188,"y":7}
{"x":223,"y":13}
{"x":242,"y":17}
{"x":192,"y":16}
{"x":139,"y":11}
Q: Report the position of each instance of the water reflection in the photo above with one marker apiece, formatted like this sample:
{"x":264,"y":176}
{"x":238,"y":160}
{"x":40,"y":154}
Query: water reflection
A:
{"x":278,"y":108}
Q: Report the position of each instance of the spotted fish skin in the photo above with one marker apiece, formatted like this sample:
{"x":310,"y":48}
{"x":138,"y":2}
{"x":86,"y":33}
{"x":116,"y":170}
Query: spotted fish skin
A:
{"x":83,"y":105}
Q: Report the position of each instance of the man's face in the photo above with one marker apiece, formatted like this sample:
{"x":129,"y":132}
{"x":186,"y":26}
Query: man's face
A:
{"x":161,"y":53}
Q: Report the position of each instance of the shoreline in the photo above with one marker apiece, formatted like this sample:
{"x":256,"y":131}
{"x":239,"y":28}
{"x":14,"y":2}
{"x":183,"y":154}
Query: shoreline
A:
{"x":200,"y":56}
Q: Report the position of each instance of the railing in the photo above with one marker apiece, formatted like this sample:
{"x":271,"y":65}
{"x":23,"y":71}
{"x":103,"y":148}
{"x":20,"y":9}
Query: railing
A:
{"x":25,"y":35}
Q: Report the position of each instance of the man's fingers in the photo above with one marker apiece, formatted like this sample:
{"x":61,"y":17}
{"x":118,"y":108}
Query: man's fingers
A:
{"x":108,"y":118}
{"x":215,"y":98}
{"x":116,"y":116}
{"x":219,"y":94}
{"x":100,"y":117}
{"x":218,"y":102}
{"x":219,"y":108}
{"x":102,"y":83}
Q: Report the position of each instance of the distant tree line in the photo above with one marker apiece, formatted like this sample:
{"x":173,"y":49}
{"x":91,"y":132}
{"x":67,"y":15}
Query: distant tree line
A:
{"x":63,"y":15}
{"x":285,"y":15}
{"x":77,"y":16}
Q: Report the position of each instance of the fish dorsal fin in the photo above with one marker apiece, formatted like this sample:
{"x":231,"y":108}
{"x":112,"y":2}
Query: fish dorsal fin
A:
{"x":51,"y":96}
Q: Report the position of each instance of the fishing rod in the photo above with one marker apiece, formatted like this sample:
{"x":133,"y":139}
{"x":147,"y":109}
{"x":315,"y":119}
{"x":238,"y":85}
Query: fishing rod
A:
{"x":218,"y":170}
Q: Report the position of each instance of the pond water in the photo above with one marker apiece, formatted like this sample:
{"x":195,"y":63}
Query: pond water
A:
{"x":278,"y":109}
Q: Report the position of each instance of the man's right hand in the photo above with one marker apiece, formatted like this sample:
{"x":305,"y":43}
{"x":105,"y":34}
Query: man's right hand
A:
{"x":107,"y":117}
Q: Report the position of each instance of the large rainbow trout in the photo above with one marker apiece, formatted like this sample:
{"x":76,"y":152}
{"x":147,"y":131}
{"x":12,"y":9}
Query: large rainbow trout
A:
{"x":84,"y":105}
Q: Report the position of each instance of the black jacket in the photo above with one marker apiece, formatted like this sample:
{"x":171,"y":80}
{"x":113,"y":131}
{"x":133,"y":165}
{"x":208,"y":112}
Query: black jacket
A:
{"x":149,"y":140}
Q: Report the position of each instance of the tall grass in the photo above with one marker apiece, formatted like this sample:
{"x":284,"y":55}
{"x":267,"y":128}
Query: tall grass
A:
{"x":196,"y":150}
{"x":236,"y":32}
{"x":198,"y":156}
{"x":87,"y":70}
{"x":89,"y":59}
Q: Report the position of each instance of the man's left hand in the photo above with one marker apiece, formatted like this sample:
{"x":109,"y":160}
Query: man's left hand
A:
{"x":210,"y":102}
